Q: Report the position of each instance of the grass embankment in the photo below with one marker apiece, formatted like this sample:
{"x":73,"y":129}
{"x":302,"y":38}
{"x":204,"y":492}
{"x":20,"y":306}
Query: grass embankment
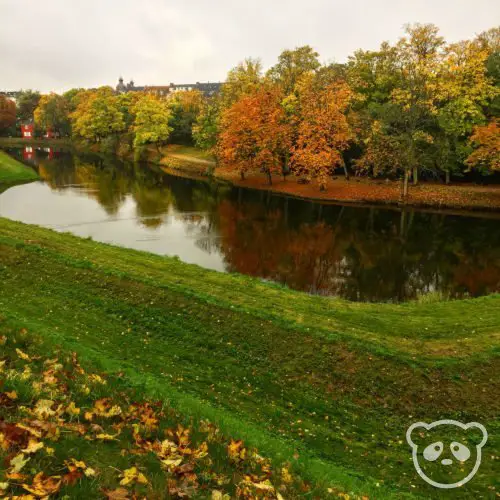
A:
{"x":67,"y":431}
{"x":326,"y":385}
{"x":13,"y":171}
{"x":188,"y":160}
{"x":7,"y":142}
{"x":191,"y":161}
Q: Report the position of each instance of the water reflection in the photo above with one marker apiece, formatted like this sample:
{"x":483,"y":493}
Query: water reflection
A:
{"x":358,"y":253}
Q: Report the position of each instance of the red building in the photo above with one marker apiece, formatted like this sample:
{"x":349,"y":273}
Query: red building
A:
{"x":28,"y":153}
{"x":27,"y":131}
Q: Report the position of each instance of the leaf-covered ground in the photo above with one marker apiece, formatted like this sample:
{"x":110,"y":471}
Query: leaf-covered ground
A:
{"x":358,"y":190}
{"x":66,"y":431}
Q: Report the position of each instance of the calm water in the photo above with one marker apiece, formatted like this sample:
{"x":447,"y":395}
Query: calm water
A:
{"x":365,"y":254}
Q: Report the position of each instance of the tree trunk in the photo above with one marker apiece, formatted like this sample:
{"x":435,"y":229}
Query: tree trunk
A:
{"x":405,"y":184}
{"x":242,"y":175}
{"x":415,"y":176}
{"x":346,"y":173}
{"x":269,"y":177}
{"x":447,"y":176}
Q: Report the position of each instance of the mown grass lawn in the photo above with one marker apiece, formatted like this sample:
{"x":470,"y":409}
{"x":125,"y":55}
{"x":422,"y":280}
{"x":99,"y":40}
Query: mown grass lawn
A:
{"x":326,"y":385}
{"x":12,"y":171}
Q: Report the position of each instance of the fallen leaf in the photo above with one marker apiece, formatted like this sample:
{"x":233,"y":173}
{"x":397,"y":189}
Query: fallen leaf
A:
{"x":133,"y":475}
{"x":118,"y":494}
{"x":18,"y":462}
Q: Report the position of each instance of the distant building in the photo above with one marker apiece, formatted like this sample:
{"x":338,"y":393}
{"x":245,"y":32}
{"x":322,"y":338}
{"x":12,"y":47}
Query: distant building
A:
{"x":208,"y":88}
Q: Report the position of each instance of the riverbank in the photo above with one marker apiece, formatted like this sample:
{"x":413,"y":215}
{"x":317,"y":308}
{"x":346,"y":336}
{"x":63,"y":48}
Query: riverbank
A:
{"x":13,"y":171}
{"x":327,"y":385}
{"x":191,"y":162}
{"x":15,"y":142}
{"x":357,"y":190}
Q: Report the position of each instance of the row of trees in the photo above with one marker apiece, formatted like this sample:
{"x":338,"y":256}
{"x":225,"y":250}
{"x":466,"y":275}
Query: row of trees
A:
{"x":418,"y":106}
{"x":132,"y":120}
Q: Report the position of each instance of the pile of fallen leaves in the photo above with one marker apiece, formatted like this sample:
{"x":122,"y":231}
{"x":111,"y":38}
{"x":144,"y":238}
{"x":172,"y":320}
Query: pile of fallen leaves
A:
{"x":65,"y":432}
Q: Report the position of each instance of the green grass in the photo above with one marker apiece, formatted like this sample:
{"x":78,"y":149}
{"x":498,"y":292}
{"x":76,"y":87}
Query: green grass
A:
{"x":79,"y":398}
{"x":188,"y":151}
{"x":327,"y":384}
{"x":13,"y":171}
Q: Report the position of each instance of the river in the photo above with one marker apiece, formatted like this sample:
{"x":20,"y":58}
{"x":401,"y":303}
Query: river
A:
{"x":360,"y":253}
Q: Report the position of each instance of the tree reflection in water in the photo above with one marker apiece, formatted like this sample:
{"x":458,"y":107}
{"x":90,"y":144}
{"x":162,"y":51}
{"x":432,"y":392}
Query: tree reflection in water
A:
{"x":363,"y":254}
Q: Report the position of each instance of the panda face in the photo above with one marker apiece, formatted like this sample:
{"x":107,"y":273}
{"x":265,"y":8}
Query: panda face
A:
{"x":446,"y":453}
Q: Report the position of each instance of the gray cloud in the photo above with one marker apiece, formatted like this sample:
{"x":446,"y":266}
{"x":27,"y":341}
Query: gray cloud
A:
{"x":59,"y":44}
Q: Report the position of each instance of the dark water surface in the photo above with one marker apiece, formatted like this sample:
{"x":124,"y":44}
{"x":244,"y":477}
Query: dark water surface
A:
{"x":364,"y":254}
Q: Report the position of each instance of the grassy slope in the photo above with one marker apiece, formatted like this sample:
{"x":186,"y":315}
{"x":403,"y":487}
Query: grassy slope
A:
{"x":333,"y":383}
{"x":12,"y":171}
{"x":96,"y":427}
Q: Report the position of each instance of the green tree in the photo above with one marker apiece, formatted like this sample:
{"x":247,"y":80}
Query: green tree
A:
{"x":292,"y":65}
{"x":241,"y":80}
{"x":185,"y":108}
{"x":151,"y":121}
{"x":27,"y":102}
{"x":206,"y":129}
{"x":465,"y":92}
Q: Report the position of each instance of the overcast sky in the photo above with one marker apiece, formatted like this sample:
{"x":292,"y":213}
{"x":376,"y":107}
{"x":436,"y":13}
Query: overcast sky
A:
{"x":60,"y":44}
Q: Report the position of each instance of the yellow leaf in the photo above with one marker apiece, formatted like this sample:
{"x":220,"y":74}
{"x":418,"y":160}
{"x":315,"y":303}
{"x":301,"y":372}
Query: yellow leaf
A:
{"x":72,"y":409}
{"x":11,"y":395}
{"x":23,"y":355}
{"x":43,"y":409}
{"x":89,"y":472}
{"x":33,"y":446}
{"x":17,"y":463}
{"x":106,"y":437}
{"x":43,"y":486}
{"x":132,"y":475}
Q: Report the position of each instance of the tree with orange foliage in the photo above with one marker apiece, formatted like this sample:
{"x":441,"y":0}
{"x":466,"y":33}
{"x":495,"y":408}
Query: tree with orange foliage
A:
{"x":7,"y":112}
{"x":254,"y":133}
{"x":323,"y":131}
{"x":487,"y":155}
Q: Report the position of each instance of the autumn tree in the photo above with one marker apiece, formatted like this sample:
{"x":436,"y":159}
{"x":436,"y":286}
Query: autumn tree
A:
{"x":419,"y":56}
{"x":244,"y":79}
{"x":323,"y":133}
{"x":7,"y":113}
{"x":52,"y":113}
{"x":97,"y":115}
{"x":254,"y":133}
{"x":465,"y":90}
{"x":486,"y":139}
{"x":384,"y":152}
{"x":151,"y":121}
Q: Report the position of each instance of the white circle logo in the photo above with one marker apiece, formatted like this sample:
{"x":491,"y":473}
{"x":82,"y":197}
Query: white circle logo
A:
{"x":426,"y":450}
